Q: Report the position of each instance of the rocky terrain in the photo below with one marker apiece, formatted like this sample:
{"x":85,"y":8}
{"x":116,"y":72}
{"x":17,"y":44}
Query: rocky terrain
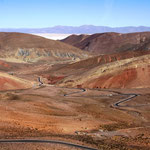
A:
{"x":97,"y":101}
{"x":128,"y":73}
{"x":119,"y":70}
{"x":107,"y":43}
{"x":19,"y":47}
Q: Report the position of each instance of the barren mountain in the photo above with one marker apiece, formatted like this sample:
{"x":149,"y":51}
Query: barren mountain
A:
{"x":107,"y":43}
{"x":85,"y":65}
{"x":30,"y":48}
{"x":127,"y":73}
{"x":45,"y":100}
{"x":121,"y":70}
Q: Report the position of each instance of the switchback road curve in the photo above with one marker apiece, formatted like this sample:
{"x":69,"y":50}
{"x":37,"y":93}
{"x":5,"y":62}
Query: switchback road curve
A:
{"x":81,"y":91}
{"x":116,"y":104}
{"x":131,"y":96}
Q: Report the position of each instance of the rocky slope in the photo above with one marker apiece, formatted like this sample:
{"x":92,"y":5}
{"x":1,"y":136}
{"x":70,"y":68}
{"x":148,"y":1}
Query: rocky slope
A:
{"x":30,"y":48}
{"x":87,"y":64}
{"x":107,"y":43}
{"x":120,"y":70}
{"x":127,"y":73}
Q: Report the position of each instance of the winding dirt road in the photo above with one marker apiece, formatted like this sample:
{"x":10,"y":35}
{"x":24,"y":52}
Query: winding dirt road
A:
{"x":131,"y":96}
{"x":116,"y":104}
{"x":47,"y":141}
{"x":81,"y":91}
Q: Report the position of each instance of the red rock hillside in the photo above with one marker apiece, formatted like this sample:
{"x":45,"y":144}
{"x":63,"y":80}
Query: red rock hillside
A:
{"x":8,"y":82}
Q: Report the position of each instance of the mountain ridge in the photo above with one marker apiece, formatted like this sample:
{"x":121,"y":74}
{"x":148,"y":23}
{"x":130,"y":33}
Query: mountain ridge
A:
{"x":31,"y":48}
{"x":84,"y":29}
{"x":111,"y":42}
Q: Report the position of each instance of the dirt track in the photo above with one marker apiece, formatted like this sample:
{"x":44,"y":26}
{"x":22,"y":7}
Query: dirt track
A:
{"x":46,"y":112}
{"x":48,"y":141}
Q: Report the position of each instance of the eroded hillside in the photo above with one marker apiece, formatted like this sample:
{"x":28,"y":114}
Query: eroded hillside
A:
{"x":19,"y":47}
{"x":108,"y":43}
{"x":127,"y":73}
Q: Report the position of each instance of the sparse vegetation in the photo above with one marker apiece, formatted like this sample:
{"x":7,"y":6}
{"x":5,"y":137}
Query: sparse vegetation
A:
{"x":116,"y":126}
{"x":84,"y":117}
{"x":9,"y":96}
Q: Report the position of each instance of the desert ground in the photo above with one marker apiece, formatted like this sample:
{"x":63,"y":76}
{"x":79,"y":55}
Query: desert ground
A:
{"x":86,"y":117}
{"x":52,"y":91}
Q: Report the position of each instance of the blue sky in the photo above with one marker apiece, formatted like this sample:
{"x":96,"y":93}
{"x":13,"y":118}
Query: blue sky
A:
{"x":48,"y":13}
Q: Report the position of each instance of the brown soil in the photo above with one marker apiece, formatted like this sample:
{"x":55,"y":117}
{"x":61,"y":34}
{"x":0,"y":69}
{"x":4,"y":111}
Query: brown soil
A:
{"x":9,"y":82}
{"x":4,"y":64}
{"x":45,"y":112}
{"x":19,"y":47}
{"x":87,"y":64}
{"x":106,"y":43}
{"x":132,"y":72}
{"x":87,"y":118}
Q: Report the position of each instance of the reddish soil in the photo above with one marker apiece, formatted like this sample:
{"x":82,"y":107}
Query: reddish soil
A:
{"x":85,"y":65}
{"x":84,"y":117}
{"x":129,"y":78}
{"x":12,"y":83}
{"x":53,"y":79}
{"x":4,"y":64}
{"x":45,"y":113}
{"x":4,"y":81}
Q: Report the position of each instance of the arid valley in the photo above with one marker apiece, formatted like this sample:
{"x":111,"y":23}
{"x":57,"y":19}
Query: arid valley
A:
{"x":88,"y":91}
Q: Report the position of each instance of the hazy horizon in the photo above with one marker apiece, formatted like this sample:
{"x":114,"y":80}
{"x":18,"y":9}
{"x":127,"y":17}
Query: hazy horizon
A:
{"x":70,"y":26}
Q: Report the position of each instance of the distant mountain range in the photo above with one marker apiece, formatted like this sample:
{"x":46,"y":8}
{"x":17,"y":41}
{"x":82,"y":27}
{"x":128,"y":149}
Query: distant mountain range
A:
{"x":85,"y":29}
